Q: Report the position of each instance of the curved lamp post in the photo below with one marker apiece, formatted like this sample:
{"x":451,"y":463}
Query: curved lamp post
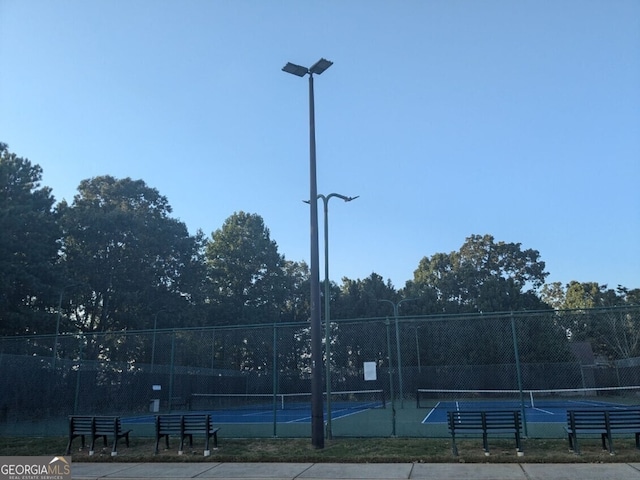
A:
{"x":327,"y":297}
{"x":317,"y":434}
{"x":396,"y":306}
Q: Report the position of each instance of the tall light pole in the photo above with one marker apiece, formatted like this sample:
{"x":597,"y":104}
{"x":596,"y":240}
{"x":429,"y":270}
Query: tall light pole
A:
{"x":396,"y":306}
{"x":317,"y":421}
{"x":327,"y":298}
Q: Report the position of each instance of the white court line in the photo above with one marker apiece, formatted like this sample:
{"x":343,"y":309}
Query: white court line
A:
{"x":333,"y":417}
{"x":543,"y":411}
{"x":424,"y":420}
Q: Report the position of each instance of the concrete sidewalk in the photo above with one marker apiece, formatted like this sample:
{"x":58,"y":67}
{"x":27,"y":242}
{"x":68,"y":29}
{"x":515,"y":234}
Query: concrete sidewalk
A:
{"x":359,"y":471}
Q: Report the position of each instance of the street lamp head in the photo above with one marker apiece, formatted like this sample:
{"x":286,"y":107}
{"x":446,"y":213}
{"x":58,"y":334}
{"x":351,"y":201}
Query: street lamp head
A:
{"x":326,"y":198}
{"x":320,"y":66}
{"x":300,"y":71}
{"x":294,"y":69}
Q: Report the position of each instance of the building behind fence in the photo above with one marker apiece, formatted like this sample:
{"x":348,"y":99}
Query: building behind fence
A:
{"x":132,"y":374}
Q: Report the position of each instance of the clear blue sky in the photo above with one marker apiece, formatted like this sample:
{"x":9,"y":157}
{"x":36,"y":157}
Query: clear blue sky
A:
{"x":519,"y":119}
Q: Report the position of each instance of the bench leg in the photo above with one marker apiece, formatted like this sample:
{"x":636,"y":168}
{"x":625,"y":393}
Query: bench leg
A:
{"x":454,"y":447}
{"x":82,"y":443}
{"x":207,"y":450}
{"x":607,"y":438}
{"x":124,"y":435}
{"x":92,"y":448}
{"x":158,"y":438}
{"x":519,"y":451}
{"x":485,"y":444}
{"x":182,"y":437}
{"x":638,"y":440}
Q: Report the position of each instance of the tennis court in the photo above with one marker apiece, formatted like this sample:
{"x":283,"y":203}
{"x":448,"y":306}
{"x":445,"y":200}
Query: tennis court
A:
{"x":539,"y":406}
{"x":278,"y":408}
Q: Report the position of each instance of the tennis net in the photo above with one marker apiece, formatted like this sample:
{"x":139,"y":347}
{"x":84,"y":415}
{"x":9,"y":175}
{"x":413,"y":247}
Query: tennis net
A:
{"x":352,"y":399}
{"x":555,"y":398}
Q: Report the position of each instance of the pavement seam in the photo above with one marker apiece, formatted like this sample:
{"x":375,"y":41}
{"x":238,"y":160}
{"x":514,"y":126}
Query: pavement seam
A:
{"x":213,"y":467}
{"x":637,"y":470}
{"x":305,"y":470}
{"x":524,"y":471}
{"x":411,"y":470}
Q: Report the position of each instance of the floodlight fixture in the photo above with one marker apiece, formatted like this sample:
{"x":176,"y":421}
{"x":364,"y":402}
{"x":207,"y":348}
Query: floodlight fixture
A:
{"x":300,"y":71}
{"x":320,"y":66}
{"x":294,"y":69}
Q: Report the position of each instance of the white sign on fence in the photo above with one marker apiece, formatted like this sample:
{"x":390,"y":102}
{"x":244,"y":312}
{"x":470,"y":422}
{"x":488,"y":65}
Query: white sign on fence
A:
{"x":370,"y":371}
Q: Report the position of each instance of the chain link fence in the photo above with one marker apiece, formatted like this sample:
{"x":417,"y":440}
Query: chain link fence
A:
{"x":256,"y":372}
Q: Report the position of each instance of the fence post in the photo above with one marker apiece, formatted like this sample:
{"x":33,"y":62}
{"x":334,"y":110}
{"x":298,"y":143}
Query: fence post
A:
{"x":518,"y":373}
{"x":77,"y":396}
{"x":213,"y":349}
{"x":275,"y":380}
{"x":173,"y":353}
{"x":390,"y":364}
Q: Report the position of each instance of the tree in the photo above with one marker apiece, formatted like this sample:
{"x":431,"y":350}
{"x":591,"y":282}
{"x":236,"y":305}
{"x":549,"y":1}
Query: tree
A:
{"x":28,"y":247}
{"x":553,"y":295}
{"x":248,"y":276}
{"x":127,"y":257}
{"x":613,"y":334}
{"x":483,"y":276}
{"x":360,"y":298}
{"x":351,"y":346}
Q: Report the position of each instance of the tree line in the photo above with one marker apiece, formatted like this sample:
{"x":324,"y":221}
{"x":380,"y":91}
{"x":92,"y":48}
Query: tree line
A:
{"x":115,"y":259}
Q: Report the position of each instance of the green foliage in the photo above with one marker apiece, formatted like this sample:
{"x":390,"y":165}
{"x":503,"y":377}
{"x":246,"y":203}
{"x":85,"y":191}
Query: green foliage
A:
{"x":28,"y":247}
{"x":361,"y":298}
{"x":483,"y":276}
{"x":248,"y":276}
{"x":126,"y":256}
{"x":614,"y":338}
{"x":129,"y":265}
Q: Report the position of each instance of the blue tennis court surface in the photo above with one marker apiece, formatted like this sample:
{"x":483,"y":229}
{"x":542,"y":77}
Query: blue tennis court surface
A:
{"x":257,"y":416}
{"x":548,"y":412}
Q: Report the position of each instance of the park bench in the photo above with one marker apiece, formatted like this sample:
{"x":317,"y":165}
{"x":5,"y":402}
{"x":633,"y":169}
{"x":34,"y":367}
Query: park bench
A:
{"x":94,"y":427}
{"x":603,"y":422}
{"x":186,"y":426}
{"x":484,"y":422}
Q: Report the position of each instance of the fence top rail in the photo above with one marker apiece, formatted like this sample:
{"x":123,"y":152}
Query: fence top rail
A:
{"x":422,"y":318}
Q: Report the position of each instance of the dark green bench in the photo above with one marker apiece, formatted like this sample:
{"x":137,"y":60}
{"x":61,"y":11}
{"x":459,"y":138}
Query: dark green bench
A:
{"x":186,"y":426}
{"x":484,"y":422}
{"x":94,"y":427}
{"x":602,"y":422}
